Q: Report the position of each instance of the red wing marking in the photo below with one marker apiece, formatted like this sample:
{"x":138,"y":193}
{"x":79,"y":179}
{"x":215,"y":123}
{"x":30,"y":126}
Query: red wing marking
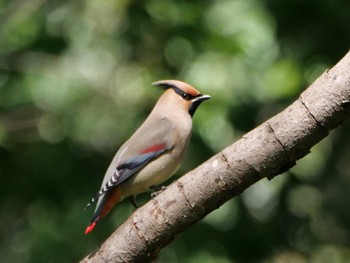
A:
{"x":154,"y":148}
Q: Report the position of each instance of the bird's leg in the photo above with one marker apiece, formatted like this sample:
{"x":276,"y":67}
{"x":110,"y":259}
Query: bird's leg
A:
{"x":133,"y":201}
{"x":156,"y":190}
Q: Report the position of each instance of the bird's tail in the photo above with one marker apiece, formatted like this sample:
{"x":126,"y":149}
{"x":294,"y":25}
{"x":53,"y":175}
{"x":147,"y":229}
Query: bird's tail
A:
{"x":109,"y":200}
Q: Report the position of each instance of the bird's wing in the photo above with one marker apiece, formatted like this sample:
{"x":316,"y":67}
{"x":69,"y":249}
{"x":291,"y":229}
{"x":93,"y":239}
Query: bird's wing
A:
{"x":157,"y":138}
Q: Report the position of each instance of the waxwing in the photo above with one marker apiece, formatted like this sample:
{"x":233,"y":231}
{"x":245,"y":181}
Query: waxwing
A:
{"x":154,"y":152}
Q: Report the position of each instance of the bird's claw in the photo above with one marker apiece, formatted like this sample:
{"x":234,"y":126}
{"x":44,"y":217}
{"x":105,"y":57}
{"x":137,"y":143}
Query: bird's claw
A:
{"x":157,"y":190}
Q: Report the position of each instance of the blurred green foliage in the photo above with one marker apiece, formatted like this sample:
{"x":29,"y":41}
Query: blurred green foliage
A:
{"x":75,"y":83}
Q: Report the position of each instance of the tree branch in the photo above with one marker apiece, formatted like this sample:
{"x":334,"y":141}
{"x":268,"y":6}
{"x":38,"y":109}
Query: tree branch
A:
{"x":268,"y":150}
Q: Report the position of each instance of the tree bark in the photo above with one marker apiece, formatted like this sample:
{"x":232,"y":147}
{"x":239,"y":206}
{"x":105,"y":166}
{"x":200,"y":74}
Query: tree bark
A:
{"x":268,"y":150}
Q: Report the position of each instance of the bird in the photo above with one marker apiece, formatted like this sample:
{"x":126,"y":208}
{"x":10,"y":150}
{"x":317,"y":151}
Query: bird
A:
{"x":154,"y":152}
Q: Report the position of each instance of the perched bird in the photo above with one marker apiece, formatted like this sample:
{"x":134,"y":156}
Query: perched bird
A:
{"x":154,"y":152}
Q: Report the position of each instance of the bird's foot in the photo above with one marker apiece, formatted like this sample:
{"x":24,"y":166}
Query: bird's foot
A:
{"x":156,"y":190}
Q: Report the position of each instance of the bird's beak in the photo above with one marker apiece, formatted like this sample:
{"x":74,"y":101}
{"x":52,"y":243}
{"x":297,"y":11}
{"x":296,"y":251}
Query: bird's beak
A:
{"x":196,"y":102}
{"x":200,"y":98}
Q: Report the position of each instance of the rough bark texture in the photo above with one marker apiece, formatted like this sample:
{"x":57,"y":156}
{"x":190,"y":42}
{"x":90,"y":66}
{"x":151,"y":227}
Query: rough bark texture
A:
{"x":269,"y":150}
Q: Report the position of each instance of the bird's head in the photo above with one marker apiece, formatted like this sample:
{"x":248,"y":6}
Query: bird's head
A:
{"x":182,"y":93}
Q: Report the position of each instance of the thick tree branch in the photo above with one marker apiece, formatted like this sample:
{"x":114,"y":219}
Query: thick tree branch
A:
{"x":269,"y":150}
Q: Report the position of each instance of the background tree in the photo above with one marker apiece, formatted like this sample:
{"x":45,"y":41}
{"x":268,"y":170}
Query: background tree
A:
{"x":75,"y":82}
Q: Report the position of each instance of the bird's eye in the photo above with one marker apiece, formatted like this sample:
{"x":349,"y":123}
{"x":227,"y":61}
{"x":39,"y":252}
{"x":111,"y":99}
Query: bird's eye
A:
{"x":185,"y":96}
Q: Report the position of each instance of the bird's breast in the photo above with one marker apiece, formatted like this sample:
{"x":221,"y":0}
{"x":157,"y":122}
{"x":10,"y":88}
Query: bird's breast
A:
{"x":157,"y":171}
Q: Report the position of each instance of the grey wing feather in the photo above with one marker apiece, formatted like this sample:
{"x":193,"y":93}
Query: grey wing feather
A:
{"x":132,"y":165}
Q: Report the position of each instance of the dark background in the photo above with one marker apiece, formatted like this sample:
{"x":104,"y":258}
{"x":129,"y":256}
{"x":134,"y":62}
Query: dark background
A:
{"x":75,"y":83}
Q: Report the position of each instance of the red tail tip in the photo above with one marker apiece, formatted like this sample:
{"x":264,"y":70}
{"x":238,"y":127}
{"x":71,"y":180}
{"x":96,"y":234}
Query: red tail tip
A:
{"x":90,"y":228}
